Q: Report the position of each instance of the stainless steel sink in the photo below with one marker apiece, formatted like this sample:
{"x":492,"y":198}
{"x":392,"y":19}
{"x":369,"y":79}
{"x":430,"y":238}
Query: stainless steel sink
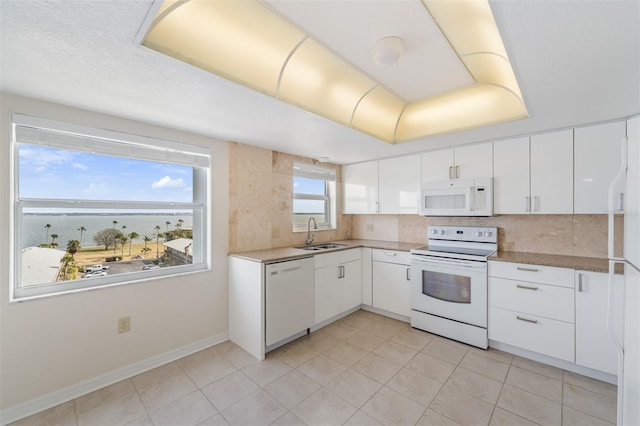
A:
{"x":321,"y":247}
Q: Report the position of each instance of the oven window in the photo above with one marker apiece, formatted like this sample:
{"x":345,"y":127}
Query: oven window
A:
{"x":447,"y":287}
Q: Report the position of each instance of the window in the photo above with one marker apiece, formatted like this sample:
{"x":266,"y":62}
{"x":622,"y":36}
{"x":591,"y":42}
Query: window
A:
{"x":314,"y":189}
{"x":95,"y":208}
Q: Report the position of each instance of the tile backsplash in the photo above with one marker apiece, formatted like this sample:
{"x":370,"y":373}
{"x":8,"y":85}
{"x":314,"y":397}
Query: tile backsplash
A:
{"x":261,"y":197}
{"x":576,"y":235}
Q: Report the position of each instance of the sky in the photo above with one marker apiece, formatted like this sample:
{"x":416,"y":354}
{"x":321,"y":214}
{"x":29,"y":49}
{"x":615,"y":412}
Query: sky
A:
{"x":62,"y":174}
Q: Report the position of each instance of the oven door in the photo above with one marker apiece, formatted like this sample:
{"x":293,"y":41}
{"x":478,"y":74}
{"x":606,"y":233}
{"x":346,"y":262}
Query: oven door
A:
{"x":450,"y":288}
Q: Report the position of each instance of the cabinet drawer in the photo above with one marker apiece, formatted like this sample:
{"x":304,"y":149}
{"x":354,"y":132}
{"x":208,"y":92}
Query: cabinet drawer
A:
{"x":532,"y":273}
{"x":336,"y":257}
{"x":392,"y":256}
{"x":532,"y":298}
{"x":533,"y":333}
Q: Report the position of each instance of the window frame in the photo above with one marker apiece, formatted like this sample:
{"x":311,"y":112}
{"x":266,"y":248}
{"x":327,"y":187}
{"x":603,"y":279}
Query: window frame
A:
{"x":328,"y":175}
{"x":116,"y":144}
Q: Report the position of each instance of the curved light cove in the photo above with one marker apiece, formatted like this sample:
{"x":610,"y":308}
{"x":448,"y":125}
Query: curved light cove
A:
{"x":249,"y":43}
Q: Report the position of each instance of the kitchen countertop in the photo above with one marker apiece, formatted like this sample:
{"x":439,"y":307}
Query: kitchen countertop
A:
{"x":594,"y":264}
{"x":288,"y":253}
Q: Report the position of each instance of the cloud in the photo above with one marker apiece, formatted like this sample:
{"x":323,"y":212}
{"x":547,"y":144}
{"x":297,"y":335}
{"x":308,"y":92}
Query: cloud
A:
{"x":167,"y":182}
{"x":80,"y":166}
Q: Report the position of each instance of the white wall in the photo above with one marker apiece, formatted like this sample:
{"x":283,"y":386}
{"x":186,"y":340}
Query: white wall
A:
{"x":59,"y":342}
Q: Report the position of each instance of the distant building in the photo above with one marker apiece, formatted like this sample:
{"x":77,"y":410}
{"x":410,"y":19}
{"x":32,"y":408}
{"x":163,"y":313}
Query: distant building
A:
{"x":40,"y":265}
{"x":180,"y":249}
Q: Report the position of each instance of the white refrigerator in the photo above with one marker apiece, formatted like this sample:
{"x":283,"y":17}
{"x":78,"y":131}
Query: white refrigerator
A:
{"x":624,"y":197}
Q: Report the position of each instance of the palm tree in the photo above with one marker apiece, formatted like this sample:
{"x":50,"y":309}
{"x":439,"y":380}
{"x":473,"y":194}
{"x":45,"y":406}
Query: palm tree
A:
{"x":132,"y":236}
{"x":81,"y":229}
{"x":180,"y":222}
{"x":157,"y":228}
{"x":53,"y":240}
{"x":146,"y":240}
{"x":47,"y":226}
{"x":167,"y":223}
{"x":73,"y":246}
{"x":115,"y":222}
{"x":145,"y":250}
{"x":123,"y":240}
{"x":123,"y":228}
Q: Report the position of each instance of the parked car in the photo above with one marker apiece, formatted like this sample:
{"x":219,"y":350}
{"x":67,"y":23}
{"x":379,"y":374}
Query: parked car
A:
{"x":97,"y":267}
{"x":149,"y":267}
{"x":95,"y":274}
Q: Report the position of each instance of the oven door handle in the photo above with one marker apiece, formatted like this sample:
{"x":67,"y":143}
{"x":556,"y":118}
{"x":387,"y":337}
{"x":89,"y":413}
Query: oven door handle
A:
{"x":448,"y":262}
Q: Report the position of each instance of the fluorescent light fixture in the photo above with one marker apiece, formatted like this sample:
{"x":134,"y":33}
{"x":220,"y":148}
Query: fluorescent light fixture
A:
{"x":251,"y":44}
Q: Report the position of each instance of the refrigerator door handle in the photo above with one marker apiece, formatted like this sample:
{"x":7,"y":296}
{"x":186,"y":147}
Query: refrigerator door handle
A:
{"x":618,"y":181}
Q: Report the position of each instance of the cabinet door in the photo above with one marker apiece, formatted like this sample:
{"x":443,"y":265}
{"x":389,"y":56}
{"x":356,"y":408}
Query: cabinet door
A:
{"x":360,"y":192}
{"x":552,"y":172}
{"x":367,"y":278}
{"x":391,"y":287}
{"x":511,"y":176}
{"x":437,"y":165}
{"x":594,"y":346}
{"x":399,"y":185}
{"x":351,"y":285}
{"x":474,"y":161}
{"x":597,"y":159}
{"x":327,"y":293}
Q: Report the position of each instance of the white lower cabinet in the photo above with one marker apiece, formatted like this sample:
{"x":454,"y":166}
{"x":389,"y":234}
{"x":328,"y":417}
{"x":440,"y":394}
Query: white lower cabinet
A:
{"x":338,"y":283}
{"x":391,"y":281}
{"x":532,"y":307}
{"x":594,"y":346}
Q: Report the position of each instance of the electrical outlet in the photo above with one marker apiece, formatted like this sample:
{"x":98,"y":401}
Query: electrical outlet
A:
{"x":124,"y":324}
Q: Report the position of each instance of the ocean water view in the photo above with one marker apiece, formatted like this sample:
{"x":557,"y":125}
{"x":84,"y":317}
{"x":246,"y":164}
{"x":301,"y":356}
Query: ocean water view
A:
{"x":66,"y":226}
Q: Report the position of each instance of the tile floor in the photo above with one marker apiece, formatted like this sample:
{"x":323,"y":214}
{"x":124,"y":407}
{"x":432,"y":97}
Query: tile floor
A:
{"x":364,"y":369}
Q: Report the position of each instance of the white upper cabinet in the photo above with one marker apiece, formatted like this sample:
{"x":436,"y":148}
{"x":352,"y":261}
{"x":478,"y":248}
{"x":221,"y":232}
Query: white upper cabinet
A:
{"x":437,"y":165}
{"x":399,"y":185}
{"x":360,"y":190}
{"x":552,"y":172}
{"x":467,"y":162}
{"x":511,"y":176}
{"x":474,"y":161}
{"x":597,"y":159}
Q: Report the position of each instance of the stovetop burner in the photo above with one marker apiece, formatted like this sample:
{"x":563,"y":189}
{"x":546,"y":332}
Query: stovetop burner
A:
{"x":471,"y":243}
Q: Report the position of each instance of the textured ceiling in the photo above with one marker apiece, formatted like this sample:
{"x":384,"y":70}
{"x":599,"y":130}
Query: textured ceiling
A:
{"x":577,"y":62}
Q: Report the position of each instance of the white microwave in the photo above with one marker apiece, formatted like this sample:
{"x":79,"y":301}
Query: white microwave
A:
{"x":472,"y":197}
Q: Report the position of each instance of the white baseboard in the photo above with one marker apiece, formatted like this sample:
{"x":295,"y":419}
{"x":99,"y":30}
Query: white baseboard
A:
{"x":52,"y":399}
{"x":555,"y":362}
{"x":386,"y":313}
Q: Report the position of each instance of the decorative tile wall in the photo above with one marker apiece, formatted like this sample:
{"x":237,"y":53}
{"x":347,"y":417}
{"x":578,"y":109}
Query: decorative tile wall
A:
{"x":577,"y":235}
{"x":261,"y":198}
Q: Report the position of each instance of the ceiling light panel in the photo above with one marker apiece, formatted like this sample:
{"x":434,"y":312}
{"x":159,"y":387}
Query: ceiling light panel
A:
{"x":429,"y":65}
{"x":243,"y":41}
{"x":248,"y":42}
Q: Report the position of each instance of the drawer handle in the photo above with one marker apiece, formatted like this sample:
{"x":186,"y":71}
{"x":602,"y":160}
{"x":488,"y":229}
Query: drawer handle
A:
{"x":390,"y":253}
{"x":526,"y":319}
{"x":526,"y":287}
{"x":520,"y":268}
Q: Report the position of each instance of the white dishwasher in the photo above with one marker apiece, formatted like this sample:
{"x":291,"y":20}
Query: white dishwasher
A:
{"x":288,"y":298}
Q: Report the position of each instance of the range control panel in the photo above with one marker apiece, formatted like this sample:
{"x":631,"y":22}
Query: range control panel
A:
{"x":482,"y":234}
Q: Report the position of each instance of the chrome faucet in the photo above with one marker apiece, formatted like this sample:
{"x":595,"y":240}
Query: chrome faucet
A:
{"x":309,"y":234}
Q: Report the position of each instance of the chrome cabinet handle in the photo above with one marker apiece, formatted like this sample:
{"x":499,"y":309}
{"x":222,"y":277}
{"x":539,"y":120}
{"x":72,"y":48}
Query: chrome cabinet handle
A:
{"x":520,"y":268}
{"x":526,"y":319}
{"x":377,"y":207}
{"x":536,"y":201}
{"x":390,"y":253}
{"x":621,"y":201}
{"x":526,"y":287}
{"x":340,"y":271}
{"x":457,"y":172}
{"x":408,"y":274}
{"x":450,"y":172}
{"x":527,"y":204}
{"x":579,"y":283}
